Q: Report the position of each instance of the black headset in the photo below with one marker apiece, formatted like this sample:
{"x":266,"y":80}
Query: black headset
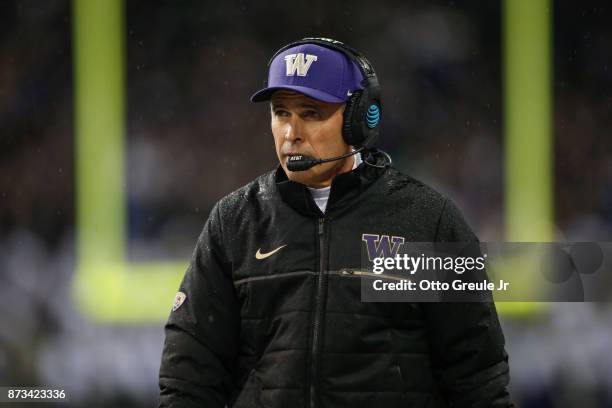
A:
{"x":362,"y":114}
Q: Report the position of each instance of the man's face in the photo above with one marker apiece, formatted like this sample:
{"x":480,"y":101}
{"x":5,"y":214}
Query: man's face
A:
{"x":305,"y":126}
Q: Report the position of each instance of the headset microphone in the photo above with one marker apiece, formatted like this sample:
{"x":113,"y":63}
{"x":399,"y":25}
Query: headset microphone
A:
{"x":302,"y":162}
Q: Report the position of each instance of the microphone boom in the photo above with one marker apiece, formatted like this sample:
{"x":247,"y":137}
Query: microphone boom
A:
{"x":302,"y":162}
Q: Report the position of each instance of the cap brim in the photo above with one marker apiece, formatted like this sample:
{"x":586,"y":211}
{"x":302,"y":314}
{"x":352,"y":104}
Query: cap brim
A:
{"x":265,"y":94}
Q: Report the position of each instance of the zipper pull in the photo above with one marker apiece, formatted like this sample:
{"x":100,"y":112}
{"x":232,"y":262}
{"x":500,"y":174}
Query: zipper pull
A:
{"x":321,"y":226}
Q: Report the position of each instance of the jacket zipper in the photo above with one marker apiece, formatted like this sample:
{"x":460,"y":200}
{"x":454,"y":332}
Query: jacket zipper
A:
{"x":318,"y":315}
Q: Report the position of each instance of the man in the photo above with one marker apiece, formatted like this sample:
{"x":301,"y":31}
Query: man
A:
{"x":269,"y":313}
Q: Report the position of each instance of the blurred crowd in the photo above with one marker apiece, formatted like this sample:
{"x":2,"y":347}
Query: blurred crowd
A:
{"x":192,"y":136}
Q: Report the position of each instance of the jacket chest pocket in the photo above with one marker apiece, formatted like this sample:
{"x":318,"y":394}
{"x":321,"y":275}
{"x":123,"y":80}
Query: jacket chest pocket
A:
{"x":345,"y":294}
{"x":265,"y":296}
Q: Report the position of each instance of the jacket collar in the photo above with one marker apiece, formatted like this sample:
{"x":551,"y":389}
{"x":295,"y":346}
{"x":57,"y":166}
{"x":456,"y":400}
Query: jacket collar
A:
{"x":345,"y":187}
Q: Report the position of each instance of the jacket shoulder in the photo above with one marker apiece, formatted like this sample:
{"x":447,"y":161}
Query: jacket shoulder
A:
{"x":261,"y":188}
{"x":398,"y":183}
{"x":430,"y":204}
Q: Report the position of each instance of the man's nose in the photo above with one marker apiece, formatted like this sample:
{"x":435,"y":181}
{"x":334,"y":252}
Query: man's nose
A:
{"x":293,"y":130}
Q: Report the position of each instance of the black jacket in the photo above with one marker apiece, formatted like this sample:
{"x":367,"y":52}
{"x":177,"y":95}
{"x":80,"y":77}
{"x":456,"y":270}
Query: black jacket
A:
{"x":289,"y":330}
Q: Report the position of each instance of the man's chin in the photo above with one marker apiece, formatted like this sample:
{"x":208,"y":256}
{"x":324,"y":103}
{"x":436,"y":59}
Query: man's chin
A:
{"x":300,"y":176}
{"x":306,"y":177}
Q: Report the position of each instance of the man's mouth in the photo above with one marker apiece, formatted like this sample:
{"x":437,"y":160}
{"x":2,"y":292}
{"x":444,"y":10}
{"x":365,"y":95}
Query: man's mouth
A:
{"x":290,"y":154}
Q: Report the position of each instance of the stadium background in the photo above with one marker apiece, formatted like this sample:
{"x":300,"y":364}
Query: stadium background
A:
{"x":190,"y":136}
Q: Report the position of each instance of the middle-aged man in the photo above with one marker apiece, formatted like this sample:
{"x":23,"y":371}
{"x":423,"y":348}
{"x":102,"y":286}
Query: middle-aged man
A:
{"x":269,"y":313}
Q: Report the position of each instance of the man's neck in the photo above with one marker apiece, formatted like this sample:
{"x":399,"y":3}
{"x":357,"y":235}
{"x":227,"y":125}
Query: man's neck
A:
{"x":348,"y":164}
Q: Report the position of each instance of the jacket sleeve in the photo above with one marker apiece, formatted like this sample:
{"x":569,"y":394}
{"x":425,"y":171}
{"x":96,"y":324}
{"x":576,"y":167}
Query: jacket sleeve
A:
{"x":466,"y":339}
{"x":200,"y":348}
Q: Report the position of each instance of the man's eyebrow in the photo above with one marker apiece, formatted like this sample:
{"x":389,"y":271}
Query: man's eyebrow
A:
{"x":302,"y":105}
{"x":309,"y":105}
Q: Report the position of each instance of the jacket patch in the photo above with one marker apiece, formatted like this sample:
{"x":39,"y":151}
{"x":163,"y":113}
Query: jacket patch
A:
{"x":382,"y":246}
{"x":178,"y":300}
{"x":260,"y":255}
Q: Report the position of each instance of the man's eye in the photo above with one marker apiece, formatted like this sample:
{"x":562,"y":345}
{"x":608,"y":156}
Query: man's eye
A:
{"x":312,"y":114}
{"x":281,"y":113}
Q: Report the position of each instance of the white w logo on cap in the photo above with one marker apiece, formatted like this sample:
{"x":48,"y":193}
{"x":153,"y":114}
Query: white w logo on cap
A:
{"x":298,"y":63}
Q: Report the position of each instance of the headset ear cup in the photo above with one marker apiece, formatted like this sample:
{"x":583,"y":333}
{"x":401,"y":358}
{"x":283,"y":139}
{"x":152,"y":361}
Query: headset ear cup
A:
{"x":351,"y":137}
{"x":371,"y":114}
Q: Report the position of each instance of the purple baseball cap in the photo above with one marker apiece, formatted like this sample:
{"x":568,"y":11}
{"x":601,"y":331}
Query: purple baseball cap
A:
{"x":315,"y":71}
